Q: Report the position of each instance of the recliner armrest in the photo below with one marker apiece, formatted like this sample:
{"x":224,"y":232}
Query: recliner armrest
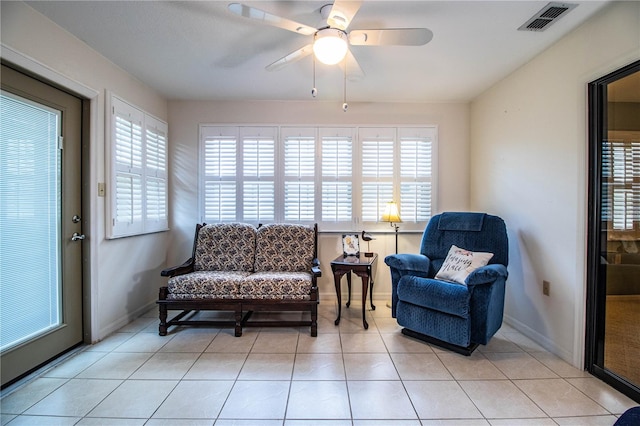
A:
{"x":185,"y":268}
{"x":487,"y":274}
{"x":413,"y":264}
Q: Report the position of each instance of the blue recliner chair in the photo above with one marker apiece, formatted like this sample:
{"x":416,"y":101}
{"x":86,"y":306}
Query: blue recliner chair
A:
{"x":452,"y":315}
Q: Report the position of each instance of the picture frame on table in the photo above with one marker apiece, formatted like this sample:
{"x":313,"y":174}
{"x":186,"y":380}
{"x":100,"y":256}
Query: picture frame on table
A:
{"x":350,"y":245}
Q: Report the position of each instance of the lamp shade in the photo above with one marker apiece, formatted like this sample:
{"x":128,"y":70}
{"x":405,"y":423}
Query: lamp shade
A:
{"x":391,"y":213}
{"x":330,"y":46}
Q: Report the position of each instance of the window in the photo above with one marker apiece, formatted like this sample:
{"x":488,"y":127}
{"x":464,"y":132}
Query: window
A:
{"x":621,"y":184}
{"x":239,"y":174}
{"x":340,"y":178}
{"x":138,"y":172}
{"x":397,"y":165}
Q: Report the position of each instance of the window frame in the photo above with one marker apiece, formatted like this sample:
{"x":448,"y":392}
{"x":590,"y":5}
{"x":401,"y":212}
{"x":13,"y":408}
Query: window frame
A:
{"x":151,"y":168}
{"x":320,"y":133}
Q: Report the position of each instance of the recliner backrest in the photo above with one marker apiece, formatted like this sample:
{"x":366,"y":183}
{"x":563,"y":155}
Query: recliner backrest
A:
{"x":467,"y":230}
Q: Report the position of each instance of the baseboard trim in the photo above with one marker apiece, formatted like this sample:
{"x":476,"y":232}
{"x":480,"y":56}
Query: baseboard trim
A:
{"x":540,"y":339}
{"x":118,"y":324}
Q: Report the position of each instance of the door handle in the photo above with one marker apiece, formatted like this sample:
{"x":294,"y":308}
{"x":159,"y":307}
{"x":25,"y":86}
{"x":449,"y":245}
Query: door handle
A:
{"x":77,"y":237}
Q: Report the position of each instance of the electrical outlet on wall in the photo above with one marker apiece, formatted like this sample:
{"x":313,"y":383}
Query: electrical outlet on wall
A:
{"x":545,"y":287}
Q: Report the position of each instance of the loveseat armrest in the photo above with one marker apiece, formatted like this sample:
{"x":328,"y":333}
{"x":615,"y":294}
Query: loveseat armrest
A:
{"x":409,"y":264}
{"x":487,"y":274}
{"x":173,"y":271}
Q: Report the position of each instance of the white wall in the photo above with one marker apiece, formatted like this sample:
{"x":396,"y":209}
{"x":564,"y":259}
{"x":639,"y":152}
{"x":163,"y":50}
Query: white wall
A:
{"x":185,"y":117}
{"x":529,"y":153}
{"x":124,"y":275}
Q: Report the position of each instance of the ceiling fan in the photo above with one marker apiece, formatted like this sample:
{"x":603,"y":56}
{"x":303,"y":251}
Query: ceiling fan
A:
{"x":331,"y":43}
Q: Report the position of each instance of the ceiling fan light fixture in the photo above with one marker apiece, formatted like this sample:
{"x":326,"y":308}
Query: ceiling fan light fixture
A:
{"x":330,"y":45}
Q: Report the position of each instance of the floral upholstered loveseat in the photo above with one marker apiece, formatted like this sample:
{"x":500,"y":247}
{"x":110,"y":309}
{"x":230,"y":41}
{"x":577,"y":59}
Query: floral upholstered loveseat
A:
{"x":239,"y":268}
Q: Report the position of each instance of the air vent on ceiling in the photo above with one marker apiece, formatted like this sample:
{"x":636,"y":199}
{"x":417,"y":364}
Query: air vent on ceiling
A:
{"x":547,"y":16}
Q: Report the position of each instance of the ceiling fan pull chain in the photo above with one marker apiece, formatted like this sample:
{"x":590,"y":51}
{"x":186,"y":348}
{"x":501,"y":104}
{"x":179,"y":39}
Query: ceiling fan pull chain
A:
{"x":344,"y":104}
{"x":314,"y":91}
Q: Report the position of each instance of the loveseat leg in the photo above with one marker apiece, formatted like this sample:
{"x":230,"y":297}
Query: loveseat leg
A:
{"x":238,"y":328}
{"x":162,"y":328}
{"x":314,"y":321}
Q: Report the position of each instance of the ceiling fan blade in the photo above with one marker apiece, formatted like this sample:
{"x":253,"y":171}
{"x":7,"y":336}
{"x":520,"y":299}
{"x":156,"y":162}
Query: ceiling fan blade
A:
{"x":342,"y":13}
{"x":291,"y":57}
{"x":354,"y":71}
{"x":391,"y":37}
{"x":267,"y":18}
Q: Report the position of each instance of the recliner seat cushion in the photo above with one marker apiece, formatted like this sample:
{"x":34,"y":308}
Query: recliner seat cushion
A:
{"x":435,"y":294}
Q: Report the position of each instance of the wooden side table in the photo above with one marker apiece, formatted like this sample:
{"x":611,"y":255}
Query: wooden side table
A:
{"x":363,"y":267}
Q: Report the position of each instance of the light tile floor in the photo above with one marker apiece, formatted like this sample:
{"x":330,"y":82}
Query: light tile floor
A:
{"x":282,"y":376}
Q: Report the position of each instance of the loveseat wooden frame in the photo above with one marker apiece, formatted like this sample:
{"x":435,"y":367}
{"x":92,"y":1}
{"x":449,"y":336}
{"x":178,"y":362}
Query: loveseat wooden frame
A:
{"x":242,"y":308}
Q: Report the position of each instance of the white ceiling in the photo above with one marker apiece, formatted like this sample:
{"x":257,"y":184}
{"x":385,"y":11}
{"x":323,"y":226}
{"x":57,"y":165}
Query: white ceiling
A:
{"x":198,"y":50}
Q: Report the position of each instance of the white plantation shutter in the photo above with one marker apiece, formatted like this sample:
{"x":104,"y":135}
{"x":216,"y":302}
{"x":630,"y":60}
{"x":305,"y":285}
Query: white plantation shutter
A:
{"x":220,"y":151}
{"x":128,"y":187}
{"x":377,"y":148}
{"x":299,"y":174}
{"x":237,"y":172}
{"x":156,"y":175}
{"x":258,"y":174}
{"x":336,"y":146}
{"x":336,"y":177}
{"x":258,"y":202}
{"x":138,"y":197}
{"x":416,"y":164}
{"x":607,"y":181}
{"x":621,"y":188}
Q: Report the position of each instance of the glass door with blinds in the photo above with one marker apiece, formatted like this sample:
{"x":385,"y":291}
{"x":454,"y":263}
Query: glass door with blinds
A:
{"x":40,"y":223}
{"x":613,"y":307}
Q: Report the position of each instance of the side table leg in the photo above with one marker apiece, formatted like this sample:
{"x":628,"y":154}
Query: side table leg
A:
{"x":336,"y":281}
{"x":373,"y":307}
{"x":349,"y":286}
{"x":365,"y":286}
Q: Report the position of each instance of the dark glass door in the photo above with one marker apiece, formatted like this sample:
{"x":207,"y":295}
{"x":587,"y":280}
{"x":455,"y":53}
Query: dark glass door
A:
{"x":613,"y":302}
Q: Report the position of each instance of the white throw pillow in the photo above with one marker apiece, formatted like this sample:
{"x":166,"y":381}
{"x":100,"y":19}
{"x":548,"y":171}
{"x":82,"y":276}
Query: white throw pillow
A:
{"x":460,"y":263}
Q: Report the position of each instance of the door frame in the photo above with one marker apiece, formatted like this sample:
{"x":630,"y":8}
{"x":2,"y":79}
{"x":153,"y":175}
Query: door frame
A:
{"x":91,"y":102}
{"x":596,"y":293}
